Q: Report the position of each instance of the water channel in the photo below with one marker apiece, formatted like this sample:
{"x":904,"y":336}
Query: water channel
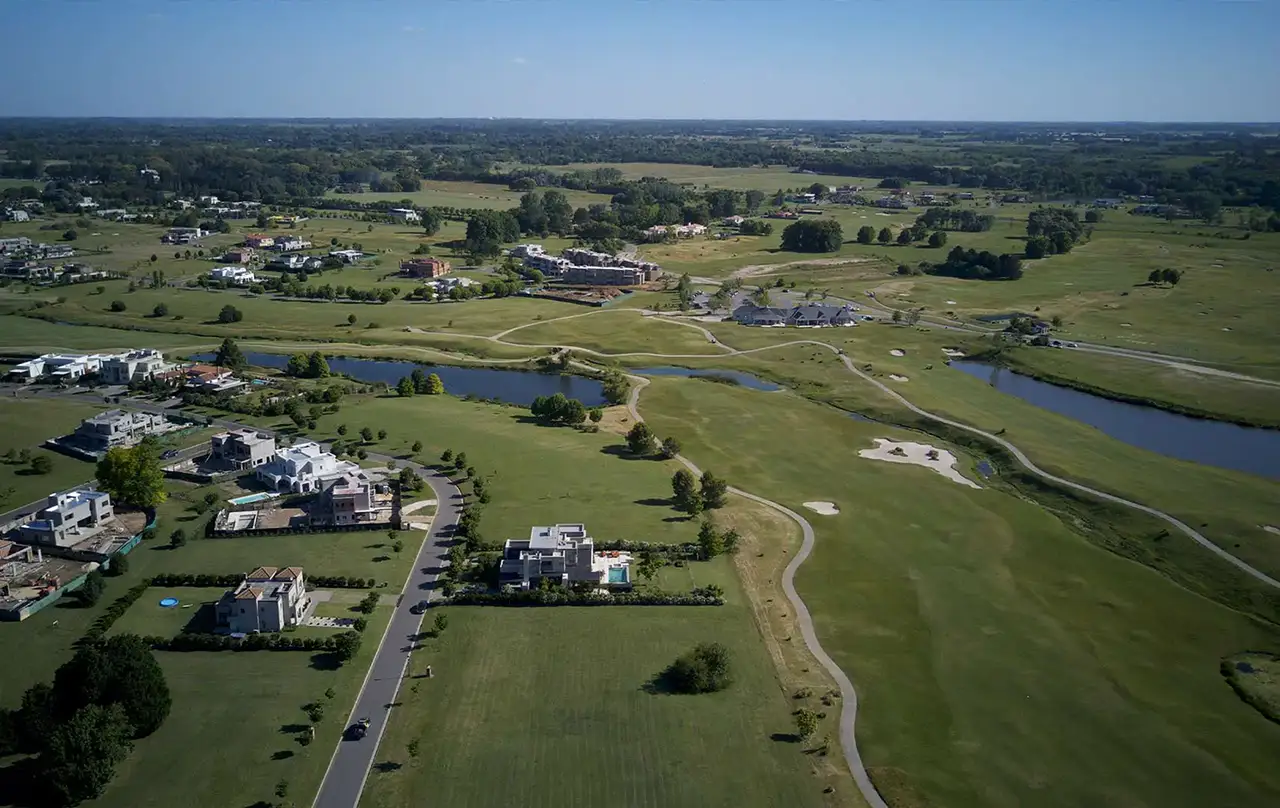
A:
{"x":1214,"y":443}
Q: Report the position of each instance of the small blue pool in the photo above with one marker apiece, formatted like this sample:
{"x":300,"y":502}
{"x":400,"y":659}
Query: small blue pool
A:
{"x":617,"y":575}
{"x":169,"y":603}
{"x":245,"y":500}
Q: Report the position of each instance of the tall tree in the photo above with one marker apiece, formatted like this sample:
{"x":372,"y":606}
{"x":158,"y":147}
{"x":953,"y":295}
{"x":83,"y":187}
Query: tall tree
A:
{"x":317,"y":365}
{"x":709,"y":539}
{"x":866,"y":234}
{"x":684,"y":493}
{"x":431,"y":221}
{"x":82,"y":752}
{"x":133,"y":475}
{"x":714,"y":490}
{"x":640,"y":439}
{"x":435,"y":386}
{"x":754,"y":200}
{"x":230,"y":356}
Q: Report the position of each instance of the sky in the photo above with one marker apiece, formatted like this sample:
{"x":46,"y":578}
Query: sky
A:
{"x":951,"y":60}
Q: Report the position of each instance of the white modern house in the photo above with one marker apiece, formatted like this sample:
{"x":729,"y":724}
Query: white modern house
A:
{"x":562,"y":555}
{"x":114,"y":428}
{"x":65,"y":367}
{"x":268,"y":599}
{"x":69,"y":518}
{"x":235,"y":275}
{"x":351,"y":499}
{"x":144,"y":363}
{"x":300,"y":469}
{"x":405,"y":215}
{"x":243,"y":448}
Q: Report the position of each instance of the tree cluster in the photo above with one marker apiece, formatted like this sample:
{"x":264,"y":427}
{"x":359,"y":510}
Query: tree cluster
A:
{"x":1052,"y":231}
{"x":1165,"y":276}
{"x":705,"y":669}
{"x":133,"y":475}
{"x":420,"y":383}
{"x":962,"y":219}
{"x":694,"y":496}
{"x":974,"y":265}
{"x":558,"y":409}
{"x":304,"y":366}
{"x":813,"y":236}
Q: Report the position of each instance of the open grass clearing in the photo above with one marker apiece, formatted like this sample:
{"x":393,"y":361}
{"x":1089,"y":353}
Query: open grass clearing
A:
{"x":476,"y":195}
{"x":147,"y":618}
{"x":25,"y":424}
{"x":604,"y":739}
{"x":618,"y":331}
{"x":1055,"y":673}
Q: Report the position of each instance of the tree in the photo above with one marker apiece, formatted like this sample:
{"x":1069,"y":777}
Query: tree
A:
{"x":117,"y":306}
{"x":132,"y":475}
{"x":813,"y":235}
{"x":346,"y":645}
{"x":90,"y":592}
{"x":160,"y":310}
{"x":937,"y":239}
{"x":1170,"y":276}
{"x":178,"y":538}
{"x":70,"y":235}
{"x":754,"y":199}
{"x":230,"y":314}
{"x":119,"y":566}
{"x":1061,"y":226}
{"x":460,"y":461}
{"x":558,"y":409}
{"x":866,"y":234}
{"x":1155,"y":276}
{"x":713,"y":491}
{"x":342,"y":429}
{"x":1092,"y":217}
{"x":705,"y":669}
{"x":351,"y":319}
{"x":596,"y":415}
{"x":684,"y":493}
{"x":317,"y":366}
{"x":404,"y":387}
{"x":904,"y":236}
{"x":1037,"y":247}
{"x":431,"y":221}
{"x":885,"y":236}
{"x":120,"y":670}
{"x":670,"y":448}
{"x":487,"y":231}
{"x":230,"y":356}
{"x":366,"y":434}
{"x":649,"y":565}
{"x":41,"y":464}
{"x":1203,"y":205}
{"x":446,"y":456}
{"x":82,"y":753}
{"x":806,"y":723}
{"x":709,"y":539}
{"x":441,"y":622}
{"x":640,"y":439}
{"x":435,"y":386}
{"x":416,"y":447}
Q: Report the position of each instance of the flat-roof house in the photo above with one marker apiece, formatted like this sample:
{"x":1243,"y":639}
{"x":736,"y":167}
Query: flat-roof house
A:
{"x":69,"y":518}
{"x":347,"y":256}
{"x":234,"y":275}
{"x":301,"y":468}
{"x":562,"y":555}
{"x":243,"y":448}
{"x":17,"y":215}
{"x":405,"y":215}
{"x":15,"y":244}
{"x":183,"y":235}
{"x":351,"y":499}
{"x":63,"y":367}
{"x":424,"y":267}
{"x":113,"y":428}
{"x":268,"y":599}
{"x":291,"y":244}
{"x":134,"y":366}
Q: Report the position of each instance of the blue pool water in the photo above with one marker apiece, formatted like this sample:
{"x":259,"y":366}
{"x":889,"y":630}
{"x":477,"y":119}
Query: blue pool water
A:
{"x":617,"y":575}
{"x":245,"y":500}
{"x":169,"y":603}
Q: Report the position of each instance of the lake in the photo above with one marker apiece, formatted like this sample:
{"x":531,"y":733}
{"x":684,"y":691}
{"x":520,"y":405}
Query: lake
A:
{"x":736,"y":376}
{"x":1213,"y":443}
{"x":512,"y":386}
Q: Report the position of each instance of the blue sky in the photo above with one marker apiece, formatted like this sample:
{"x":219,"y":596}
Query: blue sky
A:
{"x":1053,"y":60}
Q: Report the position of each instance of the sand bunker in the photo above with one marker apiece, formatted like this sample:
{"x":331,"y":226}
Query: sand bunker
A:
{"x":918,"y":454}
{"x":1272,"y":529}
{"x":897,"y":352}
{"x":952,"y":352}
{"x":824,"y":508}
{"x":898,"y":378}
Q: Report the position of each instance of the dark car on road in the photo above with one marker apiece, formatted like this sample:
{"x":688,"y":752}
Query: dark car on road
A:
{"x":420,"y":607}
{"x":358,"y":730}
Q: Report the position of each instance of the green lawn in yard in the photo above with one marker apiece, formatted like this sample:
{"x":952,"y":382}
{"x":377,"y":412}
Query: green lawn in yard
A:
{"x":26,"y":424}
{"x":543,"y":707}
{"x":1047,"y":671}
{"x":147,"y":618}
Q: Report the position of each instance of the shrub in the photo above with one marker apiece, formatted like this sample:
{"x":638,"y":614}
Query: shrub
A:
{"x":705,"y":669}
{"x":117,"y":306}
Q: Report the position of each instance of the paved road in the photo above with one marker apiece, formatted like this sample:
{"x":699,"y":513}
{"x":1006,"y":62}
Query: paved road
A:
{"x":349,"y":766}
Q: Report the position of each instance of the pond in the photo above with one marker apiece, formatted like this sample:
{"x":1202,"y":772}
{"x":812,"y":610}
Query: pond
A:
{"x":511,"y":386}
{"x":1213,"y":443}
{"x":734,"y":376}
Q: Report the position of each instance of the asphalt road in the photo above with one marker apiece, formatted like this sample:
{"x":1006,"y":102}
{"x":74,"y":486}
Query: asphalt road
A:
{"x":349,"y":766}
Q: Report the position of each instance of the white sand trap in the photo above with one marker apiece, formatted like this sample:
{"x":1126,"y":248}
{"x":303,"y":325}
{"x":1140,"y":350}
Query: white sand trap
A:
{"x":951,"y":303}
{"x":897,"y":352}
{"x":824,"y":508}
{"x":917,"y":454}
{"x":1126,"y":325}
{"x":898,"y":378}
{"x":952,"y":352}
{"x":1224,"y":328}
{"x":1272,"y":529}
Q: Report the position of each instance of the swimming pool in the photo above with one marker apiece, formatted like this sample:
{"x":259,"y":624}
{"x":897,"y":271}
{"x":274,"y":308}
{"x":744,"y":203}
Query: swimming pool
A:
{"x":245,"y":500}
{"x":617,"y":575}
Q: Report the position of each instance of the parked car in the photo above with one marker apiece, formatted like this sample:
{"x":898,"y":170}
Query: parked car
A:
{"x":420,"y":607}
{"x":169,"y":455}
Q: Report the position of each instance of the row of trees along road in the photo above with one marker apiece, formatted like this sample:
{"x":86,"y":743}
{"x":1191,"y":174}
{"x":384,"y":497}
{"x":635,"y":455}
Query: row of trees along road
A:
{"x":81,"y":727}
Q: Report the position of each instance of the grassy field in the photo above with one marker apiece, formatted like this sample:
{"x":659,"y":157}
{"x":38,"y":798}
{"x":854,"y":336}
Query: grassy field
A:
{"x":742,"y":179}
{"x":477,"y":195}
{"x":147,"y":618}
{"x":490,"y":736}
{"x":25,"y":425}
{"x":1051,"y":672}
{"x":616,"y":331}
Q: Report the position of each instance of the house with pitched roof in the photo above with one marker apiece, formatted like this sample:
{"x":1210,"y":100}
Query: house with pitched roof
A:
{"x":268,"y":599}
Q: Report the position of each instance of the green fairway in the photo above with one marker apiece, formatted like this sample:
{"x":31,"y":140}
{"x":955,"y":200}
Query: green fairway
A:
{"x":490,"y":733}
{"x":1053,"y":673}
{"x":27,"y":335}
{"x":28,"y":423}
{"x":617,"y":331}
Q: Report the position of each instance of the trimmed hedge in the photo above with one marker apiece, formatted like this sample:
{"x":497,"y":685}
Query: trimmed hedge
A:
{"x":294,"y":531}
{"x":99,"y":627}
{"x":253,"y":642}
{"x":690,"y":551}
{"x":234,"y":579}
{"x":560,"y":597}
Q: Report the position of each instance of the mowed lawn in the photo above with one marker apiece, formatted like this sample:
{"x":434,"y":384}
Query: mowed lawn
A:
{"x":617,"y":331}
{"x":548,"y":707}
{"x":539,"y":474}
{"x":1001,"y":658}
{"x":475,"y":195}
{"x":26,"y":424}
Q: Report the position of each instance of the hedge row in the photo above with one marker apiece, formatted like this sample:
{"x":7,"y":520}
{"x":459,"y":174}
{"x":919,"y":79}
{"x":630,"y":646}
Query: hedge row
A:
{"x":688,"y":551}
{"x":560,"y":597}
{"x":234,"y":579}
{"x":296,"y":531}
{"x":115,"y":611}
{"x":253,"y":642}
